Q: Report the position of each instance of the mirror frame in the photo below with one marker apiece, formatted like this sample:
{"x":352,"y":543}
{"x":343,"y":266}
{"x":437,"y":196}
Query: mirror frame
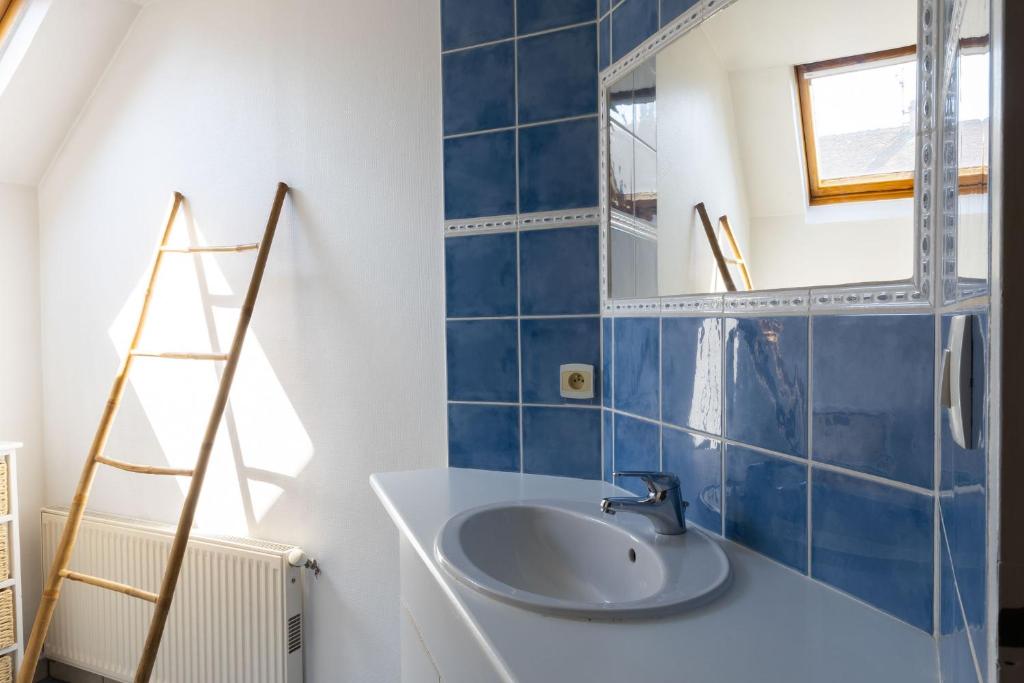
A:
{"x":914,"y":293}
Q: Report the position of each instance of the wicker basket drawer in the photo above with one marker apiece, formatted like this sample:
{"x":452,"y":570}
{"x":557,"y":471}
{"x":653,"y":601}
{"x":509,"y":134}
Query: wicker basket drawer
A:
{"x":5,"y":555}
{"x":7,"y":631}
{"x":5,"y":500}
{"x":6,"y":669}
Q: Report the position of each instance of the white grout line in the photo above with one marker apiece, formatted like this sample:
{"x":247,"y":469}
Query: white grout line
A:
{"x":911,"y":488}
{"x":520,"y":126}
{"x":936,"y":474}
{"x":810,"y":445}
{"x":569,"y":316}
{"x":510,"y":404}
{"x":723,"y":360}
{"x":661,"y":395}
{"x":519,"y":279}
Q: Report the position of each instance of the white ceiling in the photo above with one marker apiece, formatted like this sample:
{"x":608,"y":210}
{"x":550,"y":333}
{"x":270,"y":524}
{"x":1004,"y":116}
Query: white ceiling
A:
{"x":73,"y":42}
{"x":754,"y":34}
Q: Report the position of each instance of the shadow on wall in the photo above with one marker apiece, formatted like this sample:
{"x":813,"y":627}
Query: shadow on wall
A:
{"x":261,"y":445}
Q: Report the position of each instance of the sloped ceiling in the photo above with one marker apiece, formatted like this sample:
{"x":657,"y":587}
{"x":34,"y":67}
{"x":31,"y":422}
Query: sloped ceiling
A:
{"x":52,"y":76}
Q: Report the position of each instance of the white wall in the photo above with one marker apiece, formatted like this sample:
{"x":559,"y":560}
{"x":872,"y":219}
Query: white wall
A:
{"x":20,"y":394}
{"x":698,"y":161}
{"x":221,"y":100}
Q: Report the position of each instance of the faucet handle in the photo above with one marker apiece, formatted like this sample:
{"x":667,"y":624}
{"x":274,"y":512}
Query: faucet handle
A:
{"x":656,"y":482}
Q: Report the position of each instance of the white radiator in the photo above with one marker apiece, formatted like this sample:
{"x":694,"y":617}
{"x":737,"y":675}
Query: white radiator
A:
{"x":236,"y":616}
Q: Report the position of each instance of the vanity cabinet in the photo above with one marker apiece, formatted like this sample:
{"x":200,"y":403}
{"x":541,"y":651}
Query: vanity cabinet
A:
{"x":437,"y":644}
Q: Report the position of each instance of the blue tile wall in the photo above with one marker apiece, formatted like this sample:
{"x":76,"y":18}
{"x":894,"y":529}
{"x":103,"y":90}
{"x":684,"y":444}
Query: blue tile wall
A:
{"x":633,"y":22}
{"x":830,"y":417}
{"x":480,"y":276}
{"x":483,"y":437}
{"x":548,"y":343}
{"x":691,"y":369}
{"x":540,"y":15}
{"x":471,"y":22}
{"x":766,"y":383}
{"x":562,"y":441}
{"x":670,"y":9}
{"x":558,"y":74}
{"x":875,"y":542}
{"x":483,"y":363}
{"x":479,"y":88}
{"x":480,"y":175}
{"x":560,"y":271}
{"x":558,"y":165}
{"x":636,"y":366}
{"x":637,"y":447}
{"x":697,"y":461}
{"x":874,"y":411}
{"x":767,"y":504}
{"x":963,"y":498}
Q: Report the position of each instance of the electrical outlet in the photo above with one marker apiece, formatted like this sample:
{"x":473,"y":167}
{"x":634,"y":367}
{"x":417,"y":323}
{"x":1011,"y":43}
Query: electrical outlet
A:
{"x":576,"y":380}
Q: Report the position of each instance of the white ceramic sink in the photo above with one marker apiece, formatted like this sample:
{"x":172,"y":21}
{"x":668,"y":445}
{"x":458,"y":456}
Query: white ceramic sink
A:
{"x":570,"y":559}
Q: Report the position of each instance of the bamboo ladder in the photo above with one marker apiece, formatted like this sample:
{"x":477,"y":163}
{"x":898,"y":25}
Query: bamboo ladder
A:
{"x":716,"y":249}
{"x":59,"y":570}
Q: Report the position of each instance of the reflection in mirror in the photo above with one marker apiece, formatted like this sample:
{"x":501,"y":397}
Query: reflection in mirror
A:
{"x":970,"y":83}
{"x":773,"y":146}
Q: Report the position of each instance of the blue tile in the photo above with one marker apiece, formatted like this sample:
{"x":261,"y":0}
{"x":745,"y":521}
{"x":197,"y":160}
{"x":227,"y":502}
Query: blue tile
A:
{"x":479,"y":88}
{"x":608,"y":437}
{"x":697,"y":461}
{"x":874,"y":395}
{"x":560,"y":271}
{"x":766,"y":505}
{"x":471,"y":22}
{"x":670,"y":9}
{"x":766,"y":383}
{"x":604,"y":53}
{"x":483,"y":437}
{"x":956,"y":665}
{"x":636,"y":366}
{"x":547,"y":93}
{"x":483,"y":364}
{"x":875,"y":542}
{"x":541,"y":15}
{"x":551,"y":342}
{"x":480,"y":275}
{"x":564,"y":442}
{"x":636,"y":448}
{"x":632,"y":22}
{"x":691,"y":369}
{"x":964,"y":492}
{"x":558,"y":166}
{"x":480,"y":175}
{"x":606,"y":361}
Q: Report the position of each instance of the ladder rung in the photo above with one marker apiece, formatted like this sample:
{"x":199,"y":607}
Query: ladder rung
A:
{"x":179,"y":355}
{"x":735,"y":261}
{"x":110,"y":585}
{"x":228,"y":249}
{"x":144,"y":469}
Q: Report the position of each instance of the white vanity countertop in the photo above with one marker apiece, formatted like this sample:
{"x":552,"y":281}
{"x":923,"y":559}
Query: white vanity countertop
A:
{"x":772,"y":624}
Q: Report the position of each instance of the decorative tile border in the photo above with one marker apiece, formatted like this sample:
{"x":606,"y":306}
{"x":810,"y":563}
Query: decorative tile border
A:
{"x":569,"y":218}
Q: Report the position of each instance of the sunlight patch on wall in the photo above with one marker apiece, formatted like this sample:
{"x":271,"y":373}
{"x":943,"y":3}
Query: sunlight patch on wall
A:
{"x":261,"y":443}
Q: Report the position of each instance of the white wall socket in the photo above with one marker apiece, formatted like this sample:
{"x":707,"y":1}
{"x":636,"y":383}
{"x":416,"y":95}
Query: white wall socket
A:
{"x":576,"y":380}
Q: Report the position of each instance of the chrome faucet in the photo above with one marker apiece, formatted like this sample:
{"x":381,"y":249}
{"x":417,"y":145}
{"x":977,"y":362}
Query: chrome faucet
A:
{"x":663,"y":505}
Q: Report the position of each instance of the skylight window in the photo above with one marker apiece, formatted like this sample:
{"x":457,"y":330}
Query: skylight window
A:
{"x":858,"y":117}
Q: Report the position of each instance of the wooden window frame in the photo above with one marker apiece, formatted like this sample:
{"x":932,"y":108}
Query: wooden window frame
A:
{"x":9,"y":11}
{"x":860,"y":188}
{"x":864,"y":188}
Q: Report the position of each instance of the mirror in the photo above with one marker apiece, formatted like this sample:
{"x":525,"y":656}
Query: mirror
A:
{"x":773,"y":146}
{"x":969,"y":80}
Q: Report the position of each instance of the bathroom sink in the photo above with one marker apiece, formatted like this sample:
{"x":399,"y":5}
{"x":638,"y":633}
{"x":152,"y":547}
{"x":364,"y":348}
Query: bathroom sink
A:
{"x":568,"y":558}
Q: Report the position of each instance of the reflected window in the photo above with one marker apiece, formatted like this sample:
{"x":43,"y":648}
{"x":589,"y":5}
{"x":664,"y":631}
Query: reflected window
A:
{"x":858,"y":117}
